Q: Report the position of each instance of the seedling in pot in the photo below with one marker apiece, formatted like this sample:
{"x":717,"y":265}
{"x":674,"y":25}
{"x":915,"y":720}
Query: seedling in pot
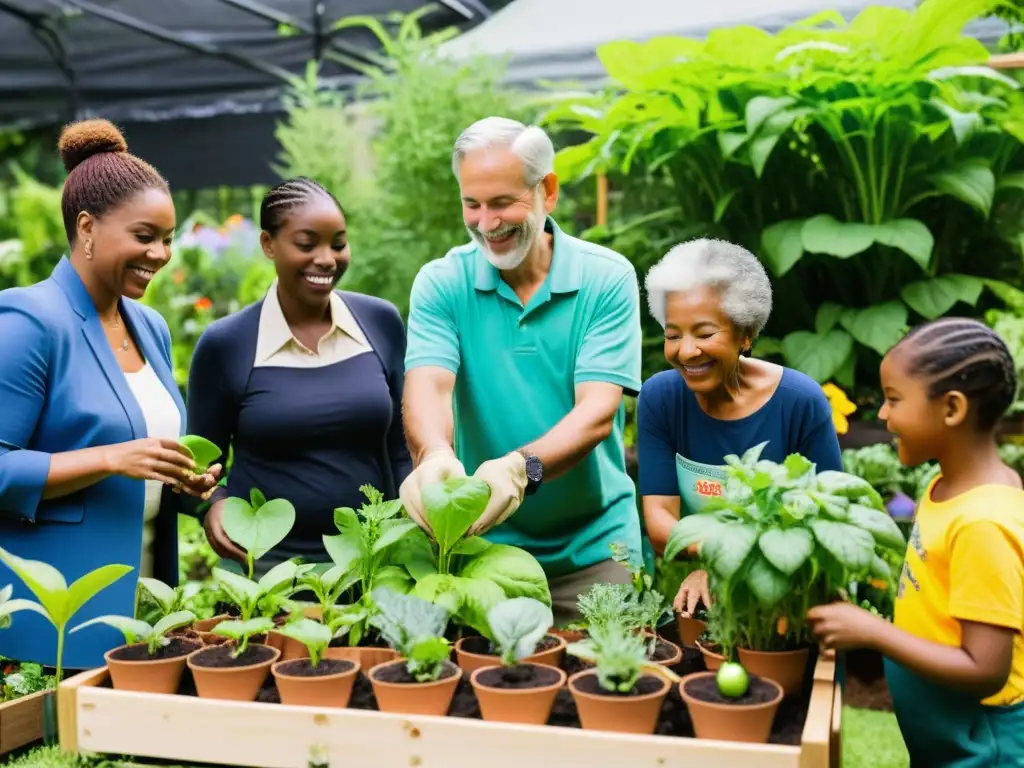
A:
{"x":202,"y":451}
{"x":138,"y":631}
{"x":58,"y":602}
{"x":328,"y":587}
{"x":415,"y":629}
{"x":312,"y":634}
{"x":263,"y":596}
{"x":314,"y":681}
{"x":257,"y":525}
{"x":620,"y":657}
{"x":242,"y":631}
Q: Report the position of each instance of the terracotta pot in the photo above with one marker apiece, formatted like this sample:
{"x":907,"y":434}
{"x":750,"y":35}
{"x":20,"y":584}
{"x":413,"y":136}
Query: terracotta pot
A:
{"x":209,"y":638}
{"x":712,"y":660}
{"x":569,"y":635}
{"x":330,"y":690}
{"x":470,"y":662}
{"x":784,"y":667}
{"x":149,"y":675}
{"x":240,"y":683}
{"x":690,"y":629}
{"x":273,"y":639}
{"x":368,"y":658}
{"x":517,"y":705}
{"x":730,"y":722}
{"x":431,"y":698}
{"x":677,"y":652}
{"x":291,"y":648}
{"x":205,"y":625}
{"x":623,"y":714}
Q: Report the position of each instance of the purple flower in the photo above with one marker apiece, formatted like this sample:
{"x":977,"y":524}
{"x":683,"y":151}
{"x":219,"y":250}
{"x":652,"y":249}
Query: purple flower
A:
{"x":901,"y":507}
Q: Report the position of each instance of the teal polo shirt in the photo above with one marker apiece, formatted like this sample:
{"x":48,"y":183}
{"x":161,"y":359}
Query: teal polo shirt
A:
{"x":516,"y":369}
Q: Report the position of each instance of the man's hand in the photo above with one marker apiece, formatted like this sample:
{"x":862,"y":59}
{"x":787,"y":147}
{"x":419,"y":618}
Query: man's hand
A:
{"x":506,"y":477}
{"x":436,"y":467}
{"x":844,"y":625}
{"x":693,"y":589}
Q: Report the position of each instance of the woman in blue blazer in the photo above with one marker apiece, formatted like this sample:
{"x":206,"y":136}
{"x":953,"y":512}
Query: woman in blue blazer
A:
{"x":89,"y":412}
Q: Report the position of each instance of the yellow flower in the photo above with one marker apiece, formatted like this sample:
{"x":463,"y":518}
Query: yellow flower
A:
{"x":841,"y":407}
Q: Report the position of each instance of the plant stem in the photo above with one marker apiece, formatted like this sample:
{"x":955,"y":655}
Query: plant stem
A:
{"x":60,"y":654}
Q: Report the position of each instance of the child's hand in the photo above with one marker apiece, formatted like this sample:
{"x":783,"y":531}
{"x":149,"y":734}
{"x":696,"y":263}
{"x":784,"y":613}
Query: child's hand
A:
{"x":843,"y":625}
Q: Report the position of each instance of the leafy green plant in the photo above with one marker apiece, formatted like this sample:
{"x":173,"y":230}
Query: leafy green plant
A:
{"x":312,"y":634}
{"x":257,"y":525}
{"x":261,"y":597}
{"x":328,"y":586}
{"x":167,"y":599}
{"x":620,"y":656}
{"x":851,"y":157}
{"x":517,"y":625}
{"x":414,"y":628}
{"x":782,"y":539}
{"x":22,"y":679}
{"x":203,"y":452}
{"x":138,"y":631}
{"x":602,"y":604}
{"x":58,"y":602}
{"x":242,"y":631}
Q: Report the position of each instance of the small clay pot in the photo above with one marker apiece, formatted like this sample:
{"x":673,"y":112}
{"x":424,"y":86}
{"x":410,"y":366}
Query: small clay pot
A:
{"x":367,"y":658}
{"x":470,"y":662}
{"x":730,"y":721}
{"x":677,"y":652}
{"x":404,"y":695}
{"x":712,"y":660}
{"x":291,"y":648}
{"x":528,"y":704}
{"x":210,"y":638}
{"x":784,"y":667}
{"x":327,"y":685}
{"x":569,"y":635}
{"x":620,"y":713}
{"x":690,"y":629}
{"x":132,"y":669}
{"x":205,"y":625}
{"x":233,"y":680}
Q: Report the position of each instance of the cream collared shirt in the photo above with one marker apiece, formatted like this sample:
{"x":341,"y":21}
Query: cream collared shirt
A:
{"x":277,"y":346}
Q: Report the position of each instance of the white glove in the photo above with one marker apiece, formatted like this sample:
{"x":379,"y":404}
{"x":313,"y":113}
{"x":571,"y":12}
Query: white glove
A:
{"x":435,"y":468}
{"x":506,"y":477}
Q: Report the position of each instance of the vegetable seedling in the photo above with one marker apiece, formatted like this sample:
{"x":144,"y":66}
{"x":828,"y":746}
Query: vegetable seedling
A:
{"x":279,"y":581}
{"x":732,"y":680}
{"x":257,"y":525}
{"x":241,"y":631}
{"x":203,"y":452}
{"x":328,"y":587}
{"x":620,"y":657}
{"x":517,"y":625}
{"x":58,"y":602}
{"x":451,"y":507}
{"x":139,"y":631}
{"x":169,"y":599}
{"x":312,"y":634}
{"x":414,"y":628}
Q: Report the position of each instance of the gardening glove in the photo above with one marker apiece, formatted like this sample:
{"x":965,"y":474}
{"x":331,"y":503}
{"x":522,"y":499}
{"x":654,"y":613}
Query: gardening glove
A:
{"x":506,"y":477}
{"x":436,"y":467}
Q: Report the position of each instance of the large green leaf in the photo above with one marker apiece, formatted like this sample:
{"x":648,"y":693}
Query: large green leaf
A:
{"x":878,"y":524}
{"x":786,"y":549}
{"x":391,"y":531}
{"x":829,"y":313}
{"x":42,"y":579}
{"x":878,"y":327}
{"x":782,"y":245}
{"x":134,"y":630}
{"x":85,"y":588}
{"x":935,"y":297}
{"x":819,"y":356}
{"x":768,"y":584}
{"x":452,"y":506}
{"x":850,"y":545}
{"x":908,"y":235}
{"x":969,"y":182}
{"x":690,"y":530}
{"x":964,"y":124}
{"x":204,"y":452}
{"x":416,"y":554}
{"x":258,"y":529}
{"x":728,"y":550}
{"x":825,"y":234}
{"x":515,"y":570}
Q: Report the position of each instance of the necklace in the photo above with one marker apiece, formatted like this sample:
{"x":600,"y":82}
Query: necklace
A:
{"x":123,"y":346}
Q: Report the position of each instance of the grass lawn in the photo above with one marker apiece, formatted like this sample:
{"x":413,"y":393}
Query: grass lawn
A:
{"x":870,"y":740}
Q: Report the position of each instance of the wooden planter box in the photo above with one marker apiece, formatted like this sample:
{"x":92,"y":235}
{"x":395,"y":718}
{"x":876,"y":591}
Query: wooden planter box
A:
{"x":21,"y":721}
{"x":96,"y":719}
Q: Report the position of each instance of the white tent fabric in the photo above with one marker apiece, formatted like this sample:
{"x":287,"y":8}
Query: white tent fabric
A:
{"x":557,"y":39}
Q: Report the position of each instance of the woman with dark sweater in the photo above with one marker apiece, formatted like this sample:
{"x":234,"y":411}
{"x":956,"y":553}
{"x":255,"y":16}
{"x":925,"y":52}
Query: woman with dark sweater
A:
{"x":305,"y":385}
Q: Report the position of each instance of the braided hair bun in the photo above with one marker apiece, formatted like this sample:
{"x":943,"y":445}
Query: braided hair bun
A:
{"x":80,"y":141}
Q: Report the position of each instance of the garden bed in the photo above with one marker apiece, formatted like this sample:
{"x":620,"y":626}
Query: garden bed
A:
{"x":95,"y":718}
{"x":21,"y":721}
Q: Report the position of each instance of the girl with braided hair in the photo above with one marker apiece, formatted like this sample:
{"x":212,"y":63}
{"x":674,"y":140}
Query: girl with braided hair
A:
{"x":305,"y":385}
{"x":954,"y":654}
{"x":90,"y":415}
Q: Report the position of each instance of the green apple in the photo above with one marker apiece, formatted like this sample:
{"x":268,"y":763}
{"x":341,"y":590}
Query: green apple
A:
{"x":733,"y":680}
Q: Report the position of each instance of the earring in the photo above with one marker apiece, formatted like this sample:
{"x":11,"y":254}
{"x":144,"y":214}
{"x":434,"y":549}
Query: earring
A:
{"x":88,"y":249}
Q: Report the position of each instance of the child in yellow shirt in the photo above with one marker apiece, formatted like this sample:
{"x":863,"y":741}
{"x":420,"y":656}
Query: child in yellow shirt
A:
{"x":954,"y":654}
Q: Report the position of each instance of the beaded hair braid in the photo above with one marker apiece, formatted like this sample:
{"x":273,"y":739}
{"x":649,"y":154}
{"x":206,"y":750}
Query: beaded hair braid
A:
{"x":101,"y":173}
{"x":967,"y":356}
{"x":287,"y":196}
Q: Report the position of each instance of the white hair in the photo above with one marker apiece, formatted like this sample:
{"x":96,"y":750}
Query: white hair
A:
{"x":732,"y":271}
{"x":529,"y":143}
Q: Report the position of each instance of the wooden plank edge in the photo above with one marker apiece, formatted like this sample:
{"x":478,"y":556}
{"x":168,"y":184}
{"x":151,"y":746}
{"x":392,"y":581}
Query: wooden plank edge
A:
{"x":836,"y":754}
{"x":67,"y":705}
{"x":815,"y":740}
{"x":296,"y":719}
{"x":21,"y":721}
{"x":1007,"y":61}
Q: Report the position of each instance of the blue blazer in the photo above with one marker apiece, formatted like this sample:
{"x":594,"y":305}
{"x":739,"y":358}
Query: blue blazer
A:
{"x":62,"y":389}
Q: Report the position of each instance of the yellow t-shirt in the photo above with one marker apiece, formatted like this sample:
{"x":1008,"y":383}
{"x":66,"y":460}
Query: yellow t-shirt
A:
{"x":965,"y":562}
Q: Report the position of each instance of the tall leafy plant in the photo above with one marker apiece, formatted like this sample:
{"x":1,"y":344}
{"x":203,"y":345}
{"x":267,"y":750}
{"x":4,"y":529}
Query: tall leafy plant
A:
{"x":863,"y":162}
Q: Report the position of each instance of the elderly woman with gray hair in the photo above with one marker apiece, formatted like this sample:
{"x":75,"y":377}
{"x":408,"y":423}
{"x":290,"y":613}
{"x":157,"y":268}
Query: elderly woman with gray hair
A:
{"x":713,"y":299}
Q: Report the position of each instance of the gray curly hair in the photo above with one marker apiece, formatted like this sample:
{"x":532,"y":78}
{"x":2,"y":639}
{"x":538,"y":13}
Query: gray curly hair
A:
{"x":734,"y":272}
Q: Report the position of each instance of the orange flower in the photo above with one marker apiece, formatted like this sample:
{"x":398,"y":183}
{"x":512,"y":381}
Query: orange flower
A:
{"x":203,"y":304}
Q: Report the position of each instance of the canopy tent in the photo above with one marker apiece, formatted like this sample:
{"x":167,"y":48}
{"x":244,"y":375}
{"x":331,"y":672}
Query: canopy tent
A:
{"x":556,"y":40}
{"x":195,"y":79}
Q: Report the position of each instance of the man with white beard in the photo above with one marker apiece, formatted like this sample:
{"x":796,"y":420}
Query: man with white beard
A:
{"x":520,"y":346}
